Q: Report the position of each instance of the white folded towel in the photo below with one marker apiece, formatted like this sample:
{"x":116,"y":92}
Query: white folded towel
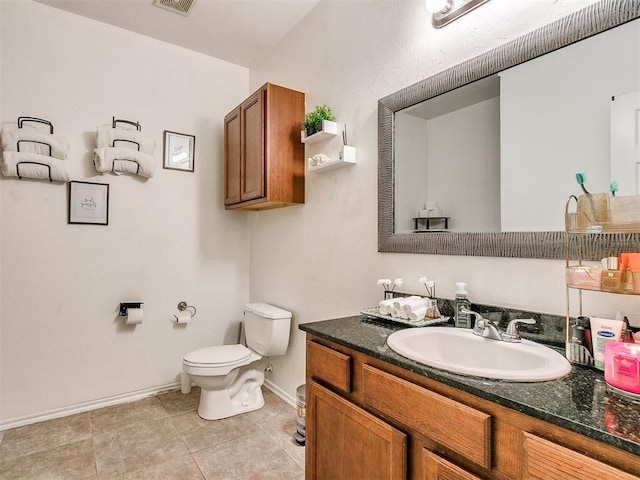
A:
{"x":413,"y":303}
{"x":401,"y":302}
{"x":106,"y":135}
{"x":34,"y":165}
{"x":417,"y":314}
{"x":124,"y":160}
{"x":385,"y":306}
{"x":27,"y":135}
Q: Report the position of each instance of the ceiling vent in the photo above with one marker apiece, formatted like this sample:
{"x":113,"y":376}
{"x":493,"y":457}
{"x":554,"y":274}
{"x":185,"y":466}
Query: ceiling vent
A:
{"x":183,"y":7}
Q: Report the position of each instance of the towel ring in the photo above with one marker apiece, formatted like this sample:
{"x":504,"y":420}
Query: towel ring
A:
{"x":182,"y":306}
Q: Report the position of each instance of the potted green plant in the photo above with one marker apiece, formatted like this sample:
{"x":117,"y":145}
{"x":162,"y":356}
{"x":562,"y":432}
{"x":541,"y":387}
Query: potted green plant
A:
{"x":313,"y":120}
{"x":310,"y":122}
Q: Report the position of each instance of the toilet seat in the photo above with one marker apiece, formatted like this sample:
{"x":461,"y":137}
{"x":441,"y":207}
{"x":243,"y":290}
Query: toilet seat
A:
{"x":216,"y":360}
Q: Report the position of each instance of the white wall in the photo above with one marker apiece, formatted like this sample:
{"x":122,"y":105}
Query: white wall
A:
{"x":320,"y":260}
{"x":168,"y":239}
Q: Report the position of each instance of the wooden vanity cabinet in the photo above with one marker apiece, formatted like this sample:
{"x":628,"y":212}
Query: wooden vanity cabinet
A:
{"x":367,"y":419}
{"x":263,"y":155}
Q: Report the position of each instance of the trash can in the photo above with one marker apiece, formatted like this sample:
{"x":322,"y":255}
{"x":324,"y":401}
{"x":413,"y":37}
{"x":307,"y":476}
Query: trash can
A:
{"x":299,"y":435}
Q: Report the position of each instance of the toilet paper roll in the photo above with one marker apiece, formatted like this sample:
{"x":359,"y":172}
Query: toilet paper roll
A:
{"x":134,"y":316}
{"x":182,"y":317}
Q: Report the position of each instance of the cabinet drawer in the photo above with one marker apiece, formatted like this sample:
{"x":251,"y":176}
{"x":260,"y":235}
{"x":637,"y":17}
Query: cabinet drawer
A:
{"x":546,"y":460}
{"x":329,"y":365}
{"x":435,"y":467}
{"x":453,"y":425}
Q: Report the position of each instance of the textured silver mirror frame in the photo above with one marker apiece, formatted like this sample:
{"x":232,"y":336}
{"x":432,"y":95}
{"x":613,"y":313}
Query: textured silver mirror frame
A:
{"x":582,"y":24}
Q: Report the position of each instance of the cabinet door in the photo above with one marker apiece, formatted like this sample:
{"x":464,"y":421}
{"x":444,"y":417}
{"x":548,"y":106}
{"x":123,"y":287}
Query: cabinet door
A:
{"x":545,"y":460}
{"x":435,"y":467}
{"x":346,"y":442}
{"x":232,"y":157}
{"x":252,"y":141}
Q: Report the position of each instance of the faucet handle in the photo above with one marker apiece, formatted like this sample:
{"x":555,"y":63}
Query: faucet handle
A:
{"x":512,"y":328}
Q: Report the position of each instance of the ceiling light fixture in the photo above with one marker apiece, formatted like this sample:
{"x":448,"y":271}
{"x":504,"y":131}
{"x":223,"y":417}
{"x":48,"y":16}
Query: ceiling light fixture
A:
{"x":446,"y":11}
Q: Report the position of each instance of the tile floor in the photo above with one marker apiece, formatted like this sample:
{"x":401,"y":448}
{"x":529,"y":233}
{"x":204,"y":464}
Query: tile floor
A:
{"x":159,"y":437}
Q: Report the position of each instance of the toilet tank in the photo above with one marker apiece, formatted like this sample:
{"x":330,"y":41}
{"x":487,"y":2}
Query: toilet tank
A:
{"x":267,"y":328}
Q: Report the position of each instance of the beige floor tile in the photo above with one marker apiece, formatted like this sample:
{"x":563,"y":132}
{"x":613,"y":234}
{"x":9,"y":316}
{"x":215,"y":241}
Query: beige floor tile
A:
{"x":180,"y":468}
{"x":275,"y":412}
{"x":140,"y":446}
{"x":176,"y":403}
{"x":199,"y":433}
{"x":45,"y":435}
{"x":67,"y":462}
{"x":282,"y":436}
{"x":254,"y":456}
{"x":117,"y":417}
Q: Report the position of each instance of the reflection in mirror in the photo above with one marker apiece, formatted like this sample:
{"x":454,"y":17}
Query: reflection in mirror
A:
{"x":501,"y":153}
{"x":554,"y":116}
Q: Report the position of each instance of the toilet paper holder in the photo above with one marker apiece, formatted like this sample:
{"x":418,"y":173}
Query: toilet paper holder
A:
{"x":124,"y":306}
{"x":182,"y":306}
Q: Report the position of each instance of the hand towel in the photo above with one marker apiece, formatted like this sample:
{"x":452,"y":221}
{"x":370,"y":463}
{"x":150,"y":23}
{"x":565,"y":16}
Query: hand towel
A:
{"x":106,"y":135}
{"x":60,"y":169}
{"x":413,"y":303}
{"x":27,"y":135}
{"x":124,"y":160}
{"x":385,"y":306}
{"x":418,"y":314}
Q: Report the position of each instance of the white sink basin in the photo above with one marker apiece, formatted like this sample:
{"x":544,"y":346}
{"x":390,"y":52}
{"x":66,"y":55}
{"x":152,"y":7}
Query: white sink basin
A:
{"x":460,"y":351}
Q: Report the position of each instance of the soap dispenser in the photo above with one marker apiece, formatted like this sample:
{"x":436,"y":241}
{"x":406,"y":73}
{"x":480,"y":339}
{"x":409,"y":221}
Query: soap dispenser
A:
{"x":462,"y":320}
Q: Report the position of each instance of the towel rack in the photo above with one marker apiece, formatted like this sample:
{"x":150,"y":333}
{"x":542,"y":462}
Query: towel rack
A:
{"x":33,"y":163}
{"x":114,"y":121}
{"x":21,"y":120}
{"x":113,"y":167}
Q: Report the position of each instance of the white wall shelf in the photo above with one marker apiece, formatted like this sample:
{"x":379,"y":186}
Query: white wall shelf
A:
{"x":347,"y":156}
{"x":329,"y":129}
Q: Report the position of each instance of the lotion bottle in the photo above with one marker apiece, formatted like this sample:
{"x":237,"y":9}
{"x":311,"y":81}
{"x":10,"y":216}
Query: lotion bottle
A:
{"x":462,"y":320}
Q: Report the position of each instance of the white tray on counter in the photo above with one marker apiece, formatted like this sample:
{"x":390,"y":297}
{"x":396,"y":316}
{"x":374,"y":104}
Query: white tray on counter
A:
{"x":374,"y":312}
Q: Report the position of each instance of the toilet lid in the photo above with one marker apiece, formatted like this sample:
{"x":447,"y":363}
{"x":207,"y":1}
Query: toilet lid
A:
{"x":218,"y":355}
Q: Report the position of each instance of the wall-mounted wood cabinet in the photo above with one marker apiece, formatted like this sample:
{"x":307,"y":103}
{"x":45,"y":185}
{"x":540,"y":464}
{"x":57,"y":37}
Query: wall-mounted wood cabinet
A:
{"x":263,"y":156}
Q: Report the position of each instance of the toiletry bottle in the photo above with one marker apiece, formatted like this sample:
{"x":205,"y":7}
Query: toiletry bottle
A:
{"x":462,"y":320}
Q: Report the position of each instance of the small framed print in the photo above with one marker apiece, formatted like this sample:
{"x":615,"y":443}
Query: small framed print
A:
{"x":88,"y":203}
{"x":179,"y":151}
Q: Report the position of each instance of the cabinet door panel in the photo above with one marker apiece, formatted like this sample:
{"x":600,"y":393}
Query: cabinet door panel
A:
{"x":346,"y":442}
{"x":329,"y":366}
{"x":456,"y":426}
{"x":435,"y":467}
{"x":545,"y":460}
{"x":253,"y":178}
{"x":232,"y":157}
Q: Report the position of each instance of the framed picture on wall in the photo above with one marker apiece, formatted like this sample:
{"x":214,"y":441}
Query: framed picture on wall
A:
{"x":88,"y":203}
{"x":179,"y":151}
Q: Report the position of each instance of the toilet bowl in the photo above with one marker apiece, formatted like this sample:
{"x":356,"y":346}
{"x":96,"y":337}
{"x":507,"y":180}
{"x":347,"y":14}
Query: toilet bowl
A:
{"x":230,"y":377}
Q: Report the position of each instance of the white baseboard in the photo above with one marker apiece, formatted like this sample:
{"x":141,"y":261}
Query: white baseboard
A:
{"x":284,"y":396}
{"x":87,"y":406}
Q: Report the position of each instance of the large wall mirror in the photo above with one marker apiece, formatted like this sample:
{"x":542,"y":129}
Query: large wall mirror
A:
{"x":488,"y":150}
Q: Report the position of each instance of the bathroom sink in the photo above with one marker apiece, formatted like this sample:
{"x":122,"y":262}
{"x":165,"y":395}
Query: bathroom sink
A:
{"x":460,"y":351}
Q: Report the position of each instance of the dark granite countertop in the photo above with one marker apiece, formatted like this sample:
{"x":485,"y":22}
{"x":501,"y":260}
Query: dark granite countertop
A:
{"x":579,"y":402}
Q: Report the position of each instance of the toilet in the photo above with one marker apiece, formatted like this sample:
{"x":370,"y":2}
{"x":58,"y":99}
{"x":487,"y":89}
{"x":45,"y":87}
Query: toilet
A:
{"x":230,"y":376}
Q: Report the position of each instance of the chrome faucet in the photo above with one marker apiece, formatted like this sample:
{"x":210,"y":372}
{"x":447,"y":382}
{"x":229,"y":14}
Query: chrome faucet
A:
{"x":488,"y":329}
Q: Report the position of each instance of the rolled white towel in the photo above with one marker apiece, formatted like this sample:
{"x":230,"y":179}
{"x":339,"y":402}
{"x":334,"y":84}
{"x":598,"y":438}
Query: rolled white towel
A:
{"x":27,"y":135}
{"x":106,"y":135}
{"x":34,"y":165}
{"x":394,"y":312}
{"x":385,"y":306}
{"x":124,"y":160}
{"x":413,"y":303}
{"x":400,"y":302}
{"x":417,"y":314}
